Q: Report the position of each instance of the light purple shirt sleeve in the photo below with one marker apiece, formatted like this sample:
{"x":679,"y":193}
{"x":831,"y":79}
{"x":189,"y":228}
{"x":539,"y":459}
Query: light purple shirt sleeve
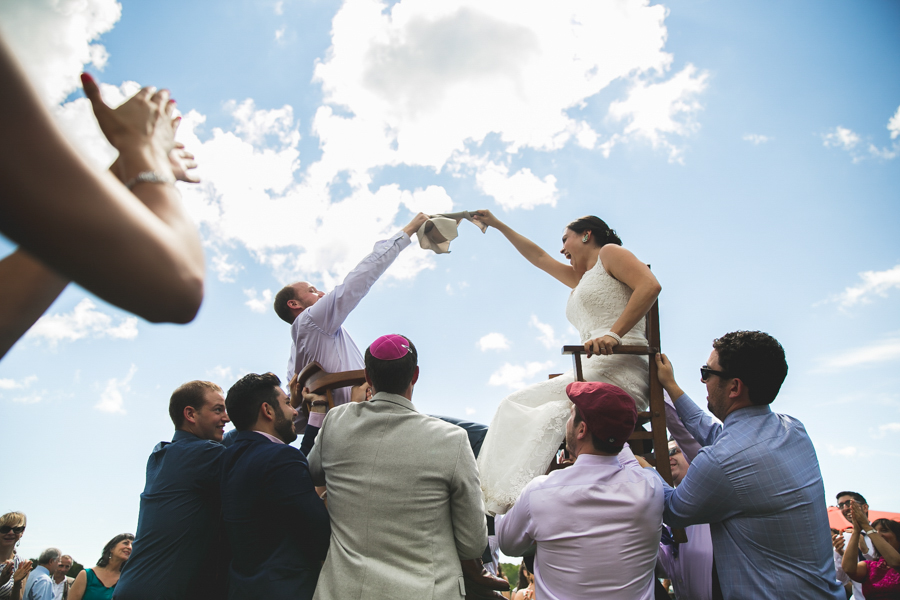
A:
{"x":689,"y":446}
{"x":514,"y":529}
{"x":332,"y":310}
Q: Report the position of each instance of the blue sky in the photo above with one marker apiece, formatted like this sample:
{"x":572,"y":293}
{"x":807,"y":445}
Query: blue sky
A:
{"x":747,"y":150}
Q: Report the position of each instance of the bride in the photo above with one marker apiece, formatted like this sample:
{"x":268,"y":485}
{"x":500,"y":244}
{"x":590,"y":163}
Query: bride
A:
{"x":611,"y":293}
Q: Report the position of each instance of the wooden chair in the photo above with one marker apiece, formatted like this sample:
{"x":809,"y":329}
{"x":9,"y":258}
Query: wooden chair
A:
{"x":320,"y":381}
{"x":642,"y":441}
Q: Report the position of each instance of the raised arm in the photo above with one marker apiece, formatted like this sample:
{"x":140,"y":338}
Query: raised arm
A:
{"x":855,"y":569}
{"x":27,"y":289}
{"x":702,"y":427}
{"x":531,"y":251}
{"x":137,"y":250}
{"x":332,"y":310}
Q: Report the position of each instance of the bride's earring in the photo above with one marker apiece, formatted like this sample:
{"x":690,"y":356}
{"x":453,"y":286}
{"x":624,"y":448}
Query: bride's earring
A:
{"x":586,"y":238}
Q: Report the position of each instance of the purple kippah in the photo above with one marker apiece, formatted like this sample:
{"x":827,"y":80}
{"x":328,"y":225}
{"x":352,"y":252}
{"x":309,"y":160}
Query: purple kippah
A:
{"x":389,"y":347}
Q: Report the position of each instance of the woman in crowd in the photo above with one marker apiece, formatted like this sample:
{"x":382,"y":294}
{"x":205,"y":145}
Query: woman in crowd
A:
{"x":525,"y":588}
{"x":124,"y":236}
{"x":611,"y":293}
{"x":100,"y":582}
{"x":15,"y":569}
{"x":880,"y":578}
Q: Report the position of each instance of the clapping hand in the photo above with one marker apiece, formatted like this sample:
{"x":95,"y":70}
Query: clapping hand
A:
{"x":837,"y":540}
{"x":860,"y":521}
{"x":23,"y":571}
{"x":143,"y":122}
{"x":181,"y":160}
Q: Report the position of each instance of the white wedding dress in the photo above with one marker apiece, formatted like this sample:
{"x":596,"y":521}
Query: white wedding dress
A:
{"x":529,"y":424}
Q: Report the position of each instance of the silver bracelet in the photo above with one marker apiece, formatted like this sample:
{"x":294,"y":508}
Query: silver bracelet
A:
{"x":614,"y":336}
{"x":147,"y":177}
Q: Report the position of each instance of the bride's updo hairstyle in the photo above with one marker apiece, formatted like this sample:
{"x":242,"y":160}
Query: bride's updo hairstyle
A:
{"x":601,"y":232}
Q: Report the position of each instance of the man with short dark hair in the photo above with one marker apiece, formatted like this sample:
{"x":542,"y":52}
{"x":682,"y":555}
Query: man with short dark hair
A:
{"x":277,"y":525}
{"x":61,"y":582}
{"x":403,"y":490}
{"x":178,"y":550}
{"x":596,"y":523}
{"x":317,"y":318}
{"x":39,"y":585}
{"x":755,"y":479}
{"x":839,"y":540}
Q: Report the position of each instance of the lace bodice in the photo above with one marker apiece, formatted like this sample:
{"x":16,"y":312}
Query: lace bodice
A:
{"x":596,"y":303}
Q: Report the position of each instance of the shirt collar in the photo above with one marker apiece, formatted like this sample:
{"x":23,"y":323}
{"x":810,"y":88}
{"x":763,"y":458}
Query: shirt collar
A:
{"x":181,"y":434}
{"x":46,"y":570}
{"x":594,"y":460}
{"x":394,"y":398}
{"x":271,"y":438}
{"x":748,"y":412}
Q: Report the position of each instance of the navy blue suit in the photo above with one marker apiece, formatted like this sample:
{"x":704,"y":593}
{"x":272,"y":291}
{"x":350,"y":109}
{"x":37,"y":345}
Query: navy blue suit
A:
{"x":277,"y":526}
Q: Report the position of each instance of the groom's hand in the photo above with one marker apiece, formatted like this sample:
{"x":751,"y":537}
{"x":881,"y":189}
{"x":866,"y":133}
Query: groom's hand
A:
{"x":414,"y":225}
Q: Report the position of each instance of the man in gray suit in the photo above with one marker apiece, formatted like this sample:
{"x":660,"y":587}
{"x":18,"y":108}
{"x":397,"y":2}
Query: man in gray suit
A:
{"x":403,"y":490}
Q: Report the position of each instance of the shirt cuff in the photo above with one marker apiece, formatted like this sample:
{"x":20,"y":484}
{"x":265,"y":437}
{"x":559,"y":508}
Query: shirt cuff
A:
{"x":316,"y":419}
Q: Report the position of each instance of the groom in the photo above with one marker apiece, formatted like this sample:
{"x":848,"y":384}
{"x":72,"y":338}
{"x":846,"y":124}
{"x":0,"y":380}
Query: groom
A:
{"x":317,"y":318}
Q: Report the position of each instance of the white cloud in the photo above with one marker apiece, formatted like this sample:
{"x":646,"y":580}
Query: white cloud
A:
{"x":258,"y":302}
{"x":111,"y":399}
{"x":873,"y":354}
{"x":517,"y":376}
{"x":470,"y":411}
{"x":658,"y":111}
{"x":885,"y":429}
{"x":894,"y":125}
{"x":493,"y":341}
{"x":221,"y":373}
{"x":874,"y":283}
{"x":548,"y":336}
{"x":29,"y":399}
{"x":53,"y":40}
{"x":279,"y":33}
{"x":524,"y":189}
{"x":459,"y":286}
{"x":849,"y":141}
{"x":279,"y":7}
{"x":12,"y":384}
{"x":841,"y":137}
{"x":847,"y":451}
{"x":226,"y":271}
{"x":424,"y":84}
{"x":84,"y":321}
{"x":756,"y":139}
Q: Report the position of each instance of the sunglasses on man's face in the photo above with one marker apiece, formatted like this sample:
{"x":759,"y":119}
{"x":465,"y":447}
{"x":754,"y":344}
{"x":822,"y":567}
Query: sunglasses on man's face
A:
{"x":674,"y":450}
{"x":7,"y":528}
{"x":705,"y":372}
{"x":846,"y":504}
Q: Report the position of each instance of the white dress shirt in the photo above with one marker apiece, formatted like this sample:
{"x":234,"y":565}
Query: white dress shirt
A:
{"x":317,"y":334}
{"x":596,"y":525}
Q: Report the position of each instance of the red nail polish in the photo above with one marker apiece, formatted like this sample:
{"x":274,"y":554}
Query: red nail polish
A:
{"x":85,"y":77}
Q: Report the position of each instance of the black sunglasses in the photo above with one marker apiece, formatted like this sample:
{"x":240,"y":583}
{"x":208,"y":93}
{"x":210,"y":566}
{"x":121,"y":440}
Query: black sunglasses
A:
{"x":705,"y":372}
{"x":7,"y":528}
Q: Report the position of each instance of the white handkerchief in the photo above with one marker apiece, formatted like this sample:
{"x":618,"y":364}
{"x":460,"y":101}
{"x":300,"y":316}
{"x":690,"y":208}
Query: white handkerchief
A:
{"x":439,"y":230}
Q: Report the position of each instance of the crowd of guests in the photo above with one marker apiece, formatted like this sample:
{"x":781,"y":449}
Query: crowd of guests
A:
{"x":381,"y":501}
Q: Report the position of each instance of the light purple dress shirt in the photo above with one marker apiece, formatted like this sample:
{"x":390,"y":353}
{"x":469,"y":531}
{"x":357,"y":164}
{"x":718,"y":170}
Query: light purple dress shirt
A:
{"x":317,"y":334}
{"x":691,"y":571}
{"x":597,"y":526}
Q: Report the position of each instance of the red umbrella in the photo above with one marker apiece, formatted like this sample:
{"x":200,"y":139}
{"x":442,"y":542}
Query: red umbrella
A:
{"x":837,"y":521}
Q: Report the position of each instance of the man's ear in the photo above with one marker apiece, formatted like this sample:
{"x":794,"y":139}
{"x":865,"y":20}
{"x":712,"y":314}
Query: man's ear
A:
{"x":369,"y":379}
{"x":294,"y":304}
{"x":266,"y":412}
{"x":581,"y":432}
{"x":415,"y":376}
{"x":190,"y":414}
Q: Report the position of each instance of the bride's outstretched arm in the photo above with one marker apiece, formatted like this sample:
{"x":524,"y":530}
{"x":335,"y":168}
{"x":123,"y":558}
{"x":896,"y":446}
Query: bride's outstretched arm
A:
{"x":531,"y":251}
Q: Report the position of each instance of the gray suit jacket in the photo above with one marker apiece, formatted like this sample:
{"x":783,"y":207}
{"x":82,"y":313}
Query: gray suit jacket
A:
{"x":404,"y":499}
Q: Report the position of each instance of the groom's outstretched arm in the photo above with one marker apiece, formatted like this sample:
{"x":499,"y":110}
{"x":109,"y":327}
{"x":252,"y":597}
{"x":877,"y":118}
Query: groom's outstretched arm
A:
{"x":332,"y":310}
